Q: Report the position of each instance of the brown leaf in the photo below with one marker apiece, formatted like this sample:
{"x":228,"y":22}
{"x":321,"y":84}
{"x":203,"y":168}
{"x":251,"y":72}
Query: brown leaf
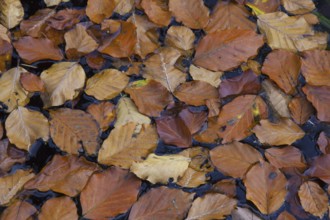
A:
{"x":320,"y":168}
{"x":284,"y":132}
{"x":313,"y":199}
{"x":224,"y":50}
{"x":173,"y":130}
{"x":285,"y":216}
{"x":10,"y":155}
{"x":234,"y":159}
{"x":200,"y":159}
{"x":31,"y":82}
{"x":180,"y":37}
{"x":319,"y":96}
{"x":104,"y":113}
{"x":72,"y":130}
{"x":209,"y":135}
{"x":95,"y":60}
{"x":109,"y":193}
{"x":192,"y":178}
{"x":150,"y":96}
{"x":285,"y":157}
{"x":124,"y":6}
{"x":196,"y":92}
{"x":34,"y":49}
{"x":324,"y":143}
{"x":211,"y":206}
{"x":300,"y":109}
{"x":246,"y":83}
{"x":194,"y":14}
{"x":157,"y":11}
{"x":199,"y":73}
{"x":267,"y":6}
{"x":228,"y":15}
{"x":66,"y":18}
{"x":316,"y":67}
{"x":63,"y":174}
{"x":265,"y":187}
{"x":98,"y":10}
{"x":59,"y":208}
{"x":298,"y":6}
{"x":6,"y":49}
{"x":226,"y":186}
{"x":238,"y":117}
{"x":162,"y":203}
{"x":214,"y":107}
{"x":283,"y":67}
{"x":193,"y":120}
{"x":19,"y":210}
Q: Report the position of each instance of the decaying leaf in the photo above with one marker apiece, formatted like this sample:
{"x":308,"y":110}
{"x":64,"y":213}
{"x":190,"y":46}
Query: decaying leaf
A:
{"x":285,"y":157}
{"x":157,"y":11}
{"x":104,"y":113}
{"x":298,"y":6}
{"x":265,"y":187}
{"x":300,"y":109}
{"x":313,"y":199}
{"x":162,"y":203}
{"x":201,"y":74}
{"x":107,"y":84}
{"x":12,"y":13}
{"x":63,"y":81}
{"x":211,"y":206}
{"x":98,"y":10}
{"x":159,"y":169}
{"x":25,"y":126}
{"x":18,"y":210}
{"x":226,"y":49}
{"x":64,"y":174}
{"x":31,"y":82}
{"x":320,"y":168}
{"x":10,"y":155}
{"x":58,"y":208}
{"x":180,"y":37}
{"x":109,"y":193}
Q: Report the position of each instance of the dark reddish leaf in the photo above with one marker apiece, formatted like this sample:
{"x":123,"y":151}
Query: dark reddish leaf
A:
{"x":10,"y":155}
{"x":320,"y":168}
{"x":193,"y":120}
{"x":32,"y":82}
{"x":66,"y":18}
{"x":95,"y":60}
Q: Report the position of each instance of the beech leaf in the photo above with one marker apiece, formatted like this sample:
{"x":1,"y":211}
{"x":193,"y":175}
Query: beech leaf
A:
{"x":104,"y":113}
{"x":18,"y":210}
{"x":58,"y":208}
{"x":157,"y":11}
{"x":12,"y":13}
{"x":98,"y":10}
{"x":199,"y":73}
{"x":298,"y":6}
{"x":285,"y":157}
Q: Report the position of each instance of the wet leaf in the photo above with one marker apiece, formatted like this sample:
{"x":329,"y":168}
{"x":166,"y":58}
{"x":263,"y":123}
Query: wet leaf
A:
{"x":162,"y":202}
{"x":320,"y":168}
{"x":31,"y":82}
{"x":10,"y":155}
{"x":125,"y":145}
{"x":159,"y":169}
{"x":104,"y":113}
{"x":298,"y":6}
{"x":109,"y":193}
{"x":194,"y":14}
{"x":211,"y":206}
{"x":106,"y":84}
{"x":34,"y":49}
{"x":74,"y":131}
{"x":98,"y":10}
{"x":25,"y":126}
{"x":157,"y":11}
{"x":66,"y":18}
{"x":180,"y":37}
{"x":201,"y":74}
{"x":313,"y":199}
{"x":58,"y":208}
{"x":63,"y":174}
{"x":12,"y":13}
{"x":300,"y":109}
{"x":18,"y":210}
{"x":234,"y":159}
{"x":224,"y":50}
{"x":63,"y":81}
{"x":285,"y":157}
{"x":265,"y":187}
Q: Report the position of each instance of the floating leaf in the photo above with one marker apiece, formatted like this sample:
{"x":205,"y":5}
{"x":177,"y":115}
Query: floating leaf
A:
{"x":157,"y":11}
{"x":285,"y":216}
{"x":201,"y":74}
{"x":12,"y":13}
{"x":18,"y":210}
{"x":50,"y":3}
{"x":264,"y":6}
{"x":58,"y":208}
{"x":98,"y":10}
{"x":298,"y":6}
{"x":226,"y":186}
{"x":104,"y":113}
{"x":285,"y":157}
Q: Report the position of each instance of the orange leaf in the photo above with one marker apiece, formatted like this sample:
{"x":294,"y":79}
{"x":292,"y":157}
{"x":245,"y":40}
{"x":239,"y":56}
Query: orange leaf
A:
{"x":58,"y":208}
{"x":300,"y":109}
{"x":157,"y":11}
{"x":98,"y":10}
{"x":104,"y":113}
{"x":285,"y":157}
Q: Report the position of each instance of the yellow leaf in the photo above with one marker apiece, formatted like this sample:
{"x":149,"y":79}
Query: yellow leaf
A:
{"x":255,"y":9}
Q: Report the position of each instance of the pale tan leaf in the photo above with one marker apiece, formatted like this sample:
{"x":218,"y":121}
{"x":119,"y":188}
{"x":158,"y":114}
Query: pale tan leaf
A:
{"x":313,"y":198}
{"x":50,"y":3}
{"x":200,"y":159}
{"x":157,"y":11}
{"x":199,"y":73}
{"x":63,"y":81}
{"x":12,"y":94}
{"x":285,"y":157}
{"x":19,"y":210}
{"x":12,"y":13}
{"x":192,"y":178}
{"x":211,"y":206}
{"x":180,"y":37}
{"x":123,"y":6}
{"x":98,"y":10}
{"x":298,"y":6}
{"x":60,"y":208}
{"x":244,"y":214}
{"x":158,"y":169}
{"x":25,"y":126}
{"x":107,"y":84}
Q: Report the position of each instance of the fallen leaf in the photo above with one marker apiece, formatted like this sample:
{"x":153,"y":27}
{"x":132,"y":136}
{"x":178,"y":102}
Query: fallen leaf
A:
{"x":283,"y":67}
{"x":234,"y":159}
{"x":180,"y":37}
{"x":6,"y":50}
{"x":109,"y":193}
{"x":160,"y":67}
{"x":227,"y":49}
{"x":159,"y":169}
{"x":284,"y":132}
{"x":106,"y":84}
{"x":320,"y":168}
{"x":74,"y":130}
{"x":63,"y":174}
{"x":238,"y":117}
{"x":265,"y":187}
{"x":313,"y":199}
{"x":196,"y":92}
{"x":125,"y":146}
{"x":300,"y":109}
{"x":34,"y":49}
{"x":285,"y":157}
{"x":311,"y":18}
{"x":25,"y":126}
{"x":150,"y":96}
{"x":324,"y":143}
{"x":213,"y":106}
{"x":263,"y":7}
{"x":95,"y":60}
{"x":123,"y":6}
{"x":10,"y":155}
{"x":31,"y":82}
{"x":162,"y":203}
{"x":50,"y":3}
{"x":290,"y":33}
{"x":98,"y":10}
{"x":194,"y":14}
{"x":316,"y":67}
{"x":285,"y":216}
{"x":12,"y":13}
{"x":58,"y":208}
{"x":244,"y":214}
{"x":228,"y":15}
{"x":298,"y":6}
{"x":193,"y":120}
{"x":319,"y":96}
{"x":192,"y":178}
{"x":226,"y":187}
{"x":18,"y":210}
{"x":174,"y":131}
{"x":201,"y":74}
{"x":211,"y":206}
{"x":157,"y":11}
{"x":13,"y":183}
{"x":104,"y":113}
{"x":66,"y":18}
{"x":12,"y":94}
{"x":63,"y":81}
